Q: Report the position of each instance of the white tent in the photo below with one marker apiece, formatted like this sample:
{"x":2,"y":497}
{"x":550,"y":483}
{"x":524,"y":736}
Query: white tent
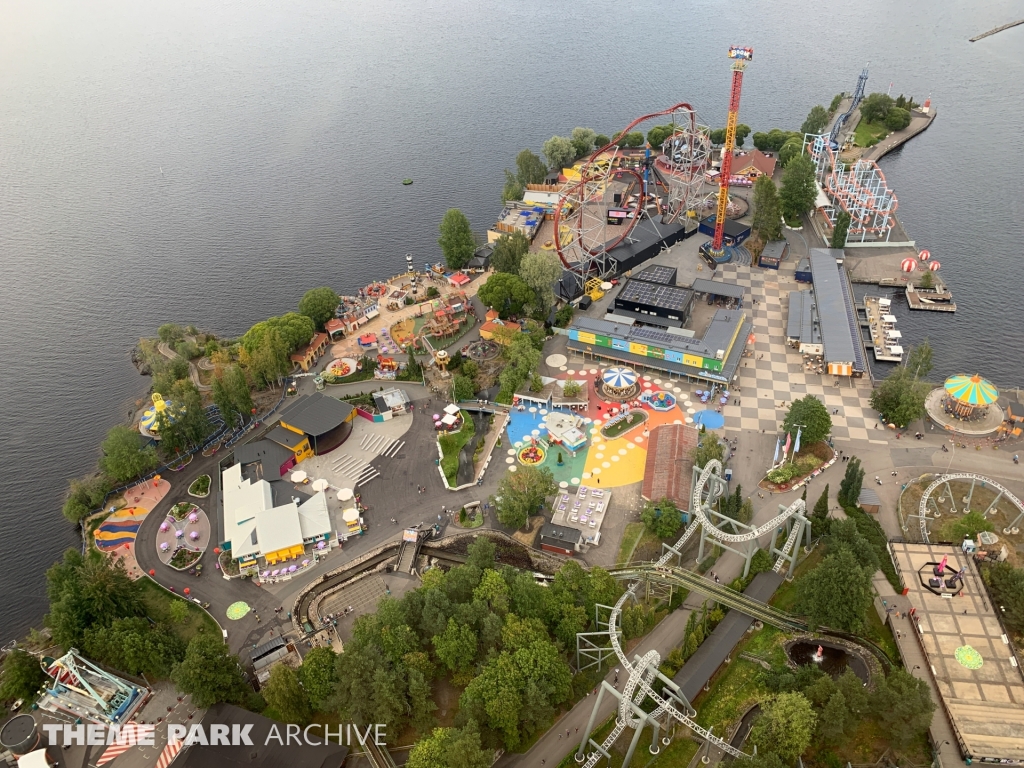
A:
{"x":320,"y":485}
{"x":350,"y":515}
{"x":451,"y":409}
{"x":298,"y":476}
{"x":449,"y":420}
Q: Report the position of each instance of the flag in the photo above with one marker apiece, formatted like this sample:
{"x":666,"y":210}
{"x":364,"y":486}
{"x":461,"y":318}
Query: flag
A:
{"x":778,"y":444}
{"x":785,"y":448}
{"x":796,"y":446}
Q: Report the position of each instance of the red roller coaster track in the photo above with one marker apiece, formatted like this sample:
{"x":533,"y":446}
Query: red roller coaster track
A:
{"x":589,"y":173}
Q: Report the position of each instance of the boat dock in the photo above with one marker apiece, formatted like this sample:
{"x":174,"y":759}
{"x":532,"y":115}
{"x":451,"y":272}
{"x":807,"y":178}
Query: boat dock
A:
{"x":935,"y":301}
{"x":1000,"y":28}
{"x":885,"y":340}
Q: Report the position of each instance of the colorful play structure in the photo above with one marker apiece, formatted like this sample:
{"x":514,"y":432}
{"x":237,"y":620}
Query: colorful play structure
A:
{"x":149,"y":423}
{"x":120,"y":528}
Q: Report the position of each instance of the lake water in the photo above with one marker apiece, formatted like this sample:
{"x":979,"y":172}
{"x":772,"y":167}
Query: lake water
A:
{"x":207,"y":162}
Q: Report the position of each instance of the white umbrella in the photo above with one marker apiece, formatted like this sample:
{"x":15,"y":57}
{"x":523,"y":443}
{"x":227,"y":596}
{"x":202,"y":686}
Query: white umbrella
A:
{"x":350,"y":515}
{"x":321,"y":485}
{"x":451,"y":408}
{"x":298,"y":476}
{"x":345,"y":494}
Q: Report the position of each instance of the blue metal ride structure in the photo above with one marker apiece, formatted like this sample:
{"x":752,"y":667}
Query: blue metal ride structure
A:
{"x":858,"y":96}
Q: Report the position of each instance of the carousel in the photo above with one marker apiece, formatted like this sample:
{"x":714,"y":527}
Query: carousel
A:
{"x":619,"y":383}
{"x":966,"y":404}
{"x":969,"y":396}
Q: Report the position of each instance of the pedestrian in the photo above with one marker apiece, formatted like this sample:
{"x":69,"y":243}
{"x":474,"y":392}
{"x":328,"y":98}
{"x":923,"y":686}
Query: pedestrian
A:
{"x":567,"y":733}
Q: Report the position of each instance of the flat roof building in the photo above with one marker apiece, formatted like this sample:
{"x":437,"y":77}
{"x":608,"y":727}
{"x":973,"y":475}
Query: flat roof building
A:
{"x":802,"y":331}
{"x":714,"y":357}
{"x":837,"y":315}
{"x":773,"y":254}
{"x":560,"y":539}
{"x":718,"y":289}
{"x":658,"y":299}
{"x":325,"y":421}
{"x":254,"y":527}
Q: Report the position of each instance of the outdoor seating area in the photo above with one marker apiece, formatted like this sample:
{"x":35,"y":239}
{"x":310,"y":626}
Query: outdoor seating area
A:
{"x":584,"y":510}
{"x":451,"y":421}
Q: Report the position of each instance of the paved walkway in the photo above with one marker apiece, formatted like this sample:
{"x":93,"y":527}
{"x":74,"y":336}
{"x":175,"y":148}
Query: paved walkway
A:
{"x":915,"y":661}
{"x":918,"y":123}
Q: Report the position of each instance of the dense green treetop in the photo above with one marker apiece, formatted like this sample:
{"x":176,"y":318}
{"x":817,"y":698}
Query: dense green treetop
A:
{"x":124,"y":455}
{"x":319,"y":305}
{"x":456,"y":241}
{"x":813,"y":415}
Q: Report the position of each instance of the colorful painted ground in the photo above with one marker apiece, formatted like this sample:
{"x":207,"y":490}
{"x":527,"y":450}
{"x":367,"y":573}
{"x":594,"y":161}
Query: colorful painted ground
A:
{"x":608,"y":463}
{"x":120,"y":528}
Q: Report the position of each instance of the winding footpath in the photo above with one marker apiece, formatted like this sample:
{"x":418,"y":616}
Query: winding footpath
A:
{"x":170,"y":354}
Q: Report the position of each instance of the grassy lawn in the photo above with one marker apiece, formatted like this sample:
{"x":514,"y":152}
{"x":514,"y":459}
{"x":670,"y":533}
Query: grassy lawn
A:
{"x":158,"y":607}
{"x":451,"y":444}
{"x":630,"y":538}
{"x":867,"y":132}
{"x":622,"y":425}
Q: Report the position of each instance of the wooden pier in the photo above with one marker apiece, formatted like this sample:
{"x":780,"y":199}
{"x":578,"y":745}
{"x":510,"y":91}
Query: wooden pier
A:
{"x":1000,"y":28}
{"x":885,"y":339}
{"x":933,"y":301}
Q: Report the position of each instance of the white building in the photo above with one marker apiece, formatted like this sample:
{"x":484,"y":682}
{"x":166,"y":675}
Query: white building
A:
{"x":257,"y":528}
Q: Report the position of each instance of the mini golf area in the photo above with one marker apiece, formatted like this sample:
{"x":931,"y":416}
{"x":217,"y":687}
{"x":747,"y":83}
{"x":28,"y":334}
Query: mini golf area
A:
{"x":602,"y":462}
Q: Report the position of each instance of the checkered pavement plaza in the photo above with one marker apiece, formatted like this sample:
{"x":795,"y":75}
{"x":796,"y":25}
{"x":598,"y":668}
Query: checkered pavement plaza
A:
{"x":774,"y":375}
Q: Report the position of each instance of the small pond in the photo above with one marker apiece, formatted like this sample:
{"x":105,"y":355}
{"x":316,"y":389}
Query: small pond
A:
{"x":834,"y":660}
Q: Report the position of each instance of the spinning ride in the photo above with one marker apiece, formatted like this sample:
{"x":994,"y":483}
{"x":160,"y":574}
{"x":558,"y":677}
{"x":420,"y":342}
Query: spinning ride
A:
{"x":618,"y":381}
{"x":967,"y":393}
{"x":598,"y":211}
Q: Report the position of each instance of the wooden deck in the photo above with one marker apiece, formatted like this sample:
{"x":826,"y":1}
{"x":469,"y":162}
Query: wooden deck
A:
{"x":934,"y":301}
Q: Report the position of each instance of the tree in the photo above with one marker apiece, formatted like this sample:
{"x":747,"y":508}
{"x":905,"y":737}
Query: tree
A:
{"x":559,"y":152}
{"x":284,"y":693}
{"x":767,"y":220}
{"x":210,"y":673}
{"x":318,"y":677}
{"x":968,"y":526}
{"x":456,"y":239}
{"x":179,"y":611}
{"x":707,"y":449}
{"x":785,"y":726}
{"x":124,"y":455}
{"x":506,"y":293}
{"x":540,"y":270}
{"x":190,"y":425}
{"x":840,"y":230}
{"x":582,"y":140}
{"x":659,"y":134}
{"x":897,"y":119}
{"x":813,"y":415}
{"x":774,"y":140}
{"x":928,"y":280}
{"x":742,"y":131}
{"x":293,"y":330}
{"x":817,"y":120}
{"x":852,"y":482}
{"x":170,"y":332}
{"x":269,"y":361}
{"x":512,"y":189}
{"x":530,"y":169}
{"x":521,"y":494}
{"x":905,"y":705}
{"x":1006,"y":585}
{"x":875,"y":107}
{"x":572,"y":388}
{"x":661,"y":518}
{"x":22,"y":676}
{"x":319,"y":305}
{"x":844,"y":534}
{"x":134,"y":646}
{"x":821,"y":505}
{"x":85,"y":495}
{"x":838,"y":595}
{"x":792,"y":148}
{"x":834,"y":720}
{"x":763,"y":759}
{"x":456,"y":646}
{"x":901,"y":395}
{"x":717,"y":136}
{"x":508,"y":252}
{"x":451,"y":748}
{"x":836,"y":101}
{"x":798,"y":188}
{"x":462,"y":388}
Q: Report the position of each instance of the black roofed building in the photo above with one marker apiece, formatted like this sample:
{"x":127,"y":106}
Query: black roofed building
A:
{"x":560,"y":539}
{"x":270,"y":746}
{"x":718,"y":290}
{"x":274,"y":460}
{"x":325,"y":421}
{"x":652,"y":293}
{"x":837,"y":314}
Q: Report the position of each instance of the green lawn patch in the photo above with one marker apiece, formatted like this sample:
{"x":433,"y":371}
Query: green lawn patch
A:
{"x":451,"y":444}
{"x":630,"y":538}
{"x":158,"y":607}
{"x":622,"y":426}
{"x":200,"y":486}
{"x":867,"y":134}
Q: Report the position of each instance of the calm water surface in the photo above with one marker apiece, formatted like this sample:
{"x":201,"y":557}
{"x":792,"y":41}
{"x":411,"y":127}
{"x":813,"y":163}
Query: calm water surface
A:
{"x":207,"y":162}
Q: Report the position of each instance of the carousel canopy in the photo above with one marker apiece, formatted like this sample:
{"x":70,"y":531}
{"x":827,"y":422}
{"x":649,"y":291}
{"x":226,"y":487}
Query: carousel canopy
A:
{"x":971,"y":390}
{"x":620,"y":378}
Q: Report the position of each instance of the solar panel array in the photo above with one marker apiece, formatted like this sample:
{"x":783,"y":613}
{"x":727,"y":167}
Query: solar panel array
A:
{"x":657,"y":273}
{"x":668,"y":297}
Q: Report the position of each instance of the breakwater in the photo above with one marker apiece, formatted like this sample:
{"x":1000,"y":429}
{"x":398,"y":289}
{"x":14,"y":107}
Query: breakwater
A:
{"x":1000,"y":28}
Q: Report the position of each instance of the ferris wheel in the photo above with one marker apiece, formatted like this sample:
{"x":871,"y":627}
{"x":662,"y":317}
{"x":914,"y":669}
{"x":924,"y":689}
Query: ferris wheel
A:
{"x":616,"y":189}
